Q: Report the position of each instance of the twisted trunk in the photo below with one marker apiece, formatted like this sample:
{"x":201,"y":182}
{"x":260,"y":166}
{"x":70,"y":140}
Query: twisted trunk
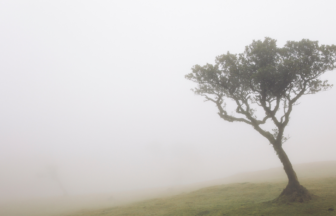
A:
{"x":294,"y":191}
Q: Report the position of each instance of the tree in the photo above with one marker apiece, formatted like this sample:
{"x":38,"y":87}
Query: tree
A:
{"x":52,"y":173}
{"x":265,"y":82}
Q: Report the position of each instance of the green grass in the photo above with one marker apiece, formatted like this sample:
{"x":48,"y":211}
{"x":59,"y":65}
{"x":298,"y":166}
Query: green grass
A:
{"x":233,"y":199}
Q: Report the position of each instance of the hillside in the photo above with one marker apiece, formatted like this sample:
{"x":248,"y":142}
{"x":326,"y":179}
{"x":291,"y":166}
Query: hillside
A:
{"x":307,"y":170}
{"x":245,"y":191}
{"x":232,"y":199}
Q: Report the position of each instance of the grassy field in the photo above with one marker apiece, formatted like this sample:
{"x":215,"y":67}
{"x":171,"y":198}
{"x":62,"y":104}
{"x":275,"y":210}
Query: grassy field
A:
{"x":233,"y":199}
{"x":240,"y":194}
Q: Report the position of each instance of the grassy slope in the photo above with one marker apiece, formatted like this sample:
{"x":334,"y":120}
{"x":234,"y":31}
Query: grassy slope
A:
{"x":229,"y":196}
{"x":233,"y":199}
{"x":245,"y":198}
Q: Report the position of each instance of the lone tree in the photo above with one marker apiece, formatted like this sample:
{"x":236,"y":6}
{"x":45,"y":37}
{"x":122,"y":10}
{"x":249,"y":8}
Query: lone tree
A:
{"x":270,"y":80}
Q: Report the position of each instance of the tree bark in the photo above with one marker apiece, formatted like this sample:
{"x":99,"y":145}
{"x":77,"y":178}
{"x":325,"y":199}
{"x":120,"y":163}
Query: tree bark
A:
{"x":292,"y":178}
{"x":294,"y":191}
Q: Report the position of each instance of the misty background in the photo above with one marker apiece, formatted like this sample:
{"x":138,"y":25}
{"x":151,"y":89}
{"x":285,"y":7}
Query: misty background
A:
{"x":93,"y":94}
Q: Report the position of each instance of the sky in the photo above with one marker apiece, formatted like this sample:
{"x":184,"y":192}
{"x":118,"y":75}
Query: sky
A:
{"x":96,"y":91}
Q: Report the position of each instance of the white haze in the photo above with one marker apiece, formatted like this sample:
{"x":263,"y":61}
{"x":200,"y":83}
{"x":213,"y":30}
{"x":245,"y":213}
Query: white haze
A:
{"x":93,"y":93}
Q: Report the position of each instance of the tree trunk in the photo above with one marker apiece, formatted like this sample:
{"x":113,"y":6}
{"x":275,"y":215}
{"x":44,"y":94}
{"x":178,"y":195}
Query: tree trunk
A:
{"x":294,"y":192}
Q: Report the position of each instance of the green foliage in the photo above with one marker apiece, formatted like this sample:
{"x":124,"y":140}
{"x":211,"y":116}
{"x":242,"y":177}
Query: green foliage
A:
{"x":265,"y":76}
{"x":264,"y":70}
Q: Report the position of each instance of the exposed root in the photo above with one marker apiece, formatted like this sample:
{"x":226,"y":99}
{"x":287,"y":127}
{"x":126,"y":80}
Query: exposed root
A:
{"x":294,"y":194}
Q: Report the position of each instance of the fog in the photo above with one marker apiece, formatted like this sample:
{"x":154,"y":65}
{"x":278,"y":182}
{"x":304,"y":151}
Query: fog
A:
{"x":93,"y":97}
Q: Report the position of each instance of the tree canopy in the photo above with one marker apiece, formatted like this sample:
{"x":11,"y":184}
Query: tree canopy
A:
{"x":265,"y":75}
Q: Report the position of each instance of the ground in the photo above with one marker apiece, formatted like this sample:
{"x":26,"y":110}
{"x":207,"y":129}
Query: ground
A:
{"x":233,"y":199}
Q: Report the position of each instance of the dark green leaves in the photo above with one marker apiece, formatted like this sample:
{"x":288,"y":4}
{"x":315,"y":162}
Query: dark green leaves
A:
{"x":267,"y":72}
